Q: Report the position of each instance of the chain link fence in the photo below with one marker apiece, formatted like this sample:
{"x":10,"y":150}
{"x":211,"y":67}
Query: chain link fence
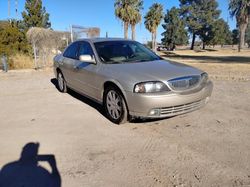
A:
{"x":78,"y":32}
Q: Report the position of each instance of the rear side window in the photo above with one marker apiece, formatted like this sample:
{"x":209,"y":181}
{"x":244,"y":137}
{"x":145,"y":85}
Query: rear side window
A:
{"x":71,"y":51}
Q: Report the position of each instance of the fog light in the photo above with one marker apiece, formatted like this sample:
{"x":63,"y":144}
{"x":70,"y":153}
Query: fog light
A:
{"x":155,"y":112}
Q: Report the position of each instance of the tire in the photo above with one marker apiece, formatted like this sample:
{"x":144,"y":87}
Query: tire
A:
{"x":115,"y":105}
{"x":62,"y":86}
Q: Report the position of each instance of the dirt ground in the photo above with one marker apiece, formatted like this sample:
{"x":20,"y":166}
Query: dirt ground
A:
{"x":208,"y":147}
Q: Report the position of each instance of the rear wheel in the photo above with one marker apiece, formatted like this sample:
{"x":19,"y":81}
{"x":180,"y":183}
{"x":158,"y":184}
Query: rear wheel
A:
{"x":62,"y":87}
{"x":115,"y":106}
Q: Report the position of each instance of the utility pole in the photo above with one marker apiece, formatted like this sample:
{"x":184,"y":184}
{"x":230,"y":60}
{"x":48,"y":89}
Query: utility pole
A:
{"x":16,"y":7}
{"x":9,"y":8}
{"x":71,"y":33}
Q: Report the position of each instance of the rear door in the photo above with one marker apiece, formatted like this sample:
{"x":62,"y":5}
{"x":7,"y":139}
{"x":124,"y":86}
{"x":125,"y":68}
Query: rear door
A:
{"x":68,"y":63}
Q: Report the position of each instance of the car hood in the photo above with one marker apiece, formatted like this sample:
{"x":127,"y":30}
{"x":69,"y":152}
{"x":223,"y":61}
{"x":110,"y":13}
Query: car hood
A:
{"x":128,"y":74}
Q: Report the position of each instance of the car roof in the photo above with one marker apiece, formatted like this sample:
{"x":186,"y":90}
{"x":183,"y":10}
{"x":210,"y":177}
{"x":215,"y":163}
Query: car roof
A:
{"x":94,"y":40}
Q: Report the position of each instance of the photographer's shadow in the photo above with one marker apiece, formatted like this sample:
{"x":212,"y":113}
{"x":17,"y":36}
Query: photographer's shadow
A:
{"x":26,"y":172}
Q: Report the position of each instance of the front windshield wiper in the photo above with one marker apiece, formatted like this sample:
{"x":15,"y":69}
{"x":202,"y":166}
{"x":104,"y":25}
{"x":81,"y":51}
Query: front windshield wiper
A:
{"x":113,"y":62}
{"x":141,"y":60}
{"x":144,"y":60}
{"x":132,"y":61}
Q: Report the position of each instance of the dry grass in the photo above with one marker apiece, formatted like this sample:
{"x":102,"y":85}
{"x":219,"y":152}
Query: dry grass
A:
{"x":21,"y":61}
{"x":224,"y":64}
{"x":215,"y":52}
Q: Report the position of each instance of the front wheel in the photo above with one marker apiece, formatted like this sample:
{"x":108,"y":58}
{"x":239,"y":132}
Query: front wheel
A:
{"x":115,"y":106}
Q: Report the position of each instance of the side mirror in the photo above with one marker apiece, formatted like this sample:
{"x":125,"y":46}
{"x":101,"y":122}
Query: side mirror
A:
{"x":87,"y":58}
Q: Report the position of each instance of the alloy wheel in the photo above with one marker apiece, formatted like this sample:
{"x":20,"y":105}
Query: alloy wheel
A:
{"x":114,"y":104}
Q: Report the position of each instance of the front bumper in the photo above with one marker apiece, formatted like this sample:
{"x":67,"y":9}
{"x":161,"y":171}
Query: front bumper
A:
{"x":166,"y":105}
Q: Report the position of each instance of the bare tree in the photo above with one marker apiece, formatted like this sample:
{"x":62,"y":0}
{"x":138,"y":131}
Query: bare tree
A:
{"x":45,"y":44}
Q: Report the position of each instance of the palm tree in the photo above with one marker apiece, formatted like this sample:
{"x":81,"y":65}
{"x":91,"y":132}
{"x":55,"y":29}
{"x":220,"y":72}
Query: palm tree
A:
{"x":241,"y":10}
{"x":129,"y":12}
{"x":122,"y":10}
{"x":135,"y":15}
{"x":152,"y":21}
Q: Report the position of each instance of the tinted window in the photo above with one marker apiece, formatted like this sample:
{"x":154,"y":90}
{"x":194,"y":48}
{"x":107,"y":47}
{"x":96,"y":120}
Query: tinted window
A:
{"x":85,"y":49}
{"x":124,"y":52}
{"x":71,"y":51}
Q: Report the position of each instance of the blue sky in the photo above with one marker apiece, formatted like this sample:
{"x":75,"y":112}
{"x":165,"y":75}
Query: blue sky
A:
{"x":98,"y":13}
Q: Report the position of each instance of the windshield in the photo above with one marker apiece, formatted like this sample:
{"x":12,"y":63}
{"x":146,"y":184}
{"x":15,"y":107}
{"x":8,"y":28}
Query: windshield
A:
{"x":124,"y":52}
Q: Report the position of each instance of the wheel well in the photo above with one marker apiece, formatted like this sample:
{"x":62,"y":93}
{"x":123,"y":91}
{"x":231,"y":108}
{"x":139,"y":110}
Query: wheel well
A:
{"x":58,"y":70}
{"x":109,"y":83}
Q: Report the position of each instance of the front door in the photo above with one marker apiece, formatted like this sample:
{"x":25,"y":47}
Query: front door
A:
{"x":86,"y":72}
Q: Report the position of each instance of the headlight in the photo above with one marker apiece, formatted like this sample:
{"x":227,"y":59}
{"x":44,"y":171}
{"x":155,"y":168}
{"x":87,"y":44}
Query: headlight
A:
{"x":204,"y":78}
{"x":150,"y":87}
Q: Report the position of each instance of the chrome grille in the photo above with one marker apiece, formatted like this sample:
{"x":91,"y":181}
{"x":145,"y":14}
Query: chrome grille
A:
{"x":184,"y":83}
{"x":180,"y":109}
